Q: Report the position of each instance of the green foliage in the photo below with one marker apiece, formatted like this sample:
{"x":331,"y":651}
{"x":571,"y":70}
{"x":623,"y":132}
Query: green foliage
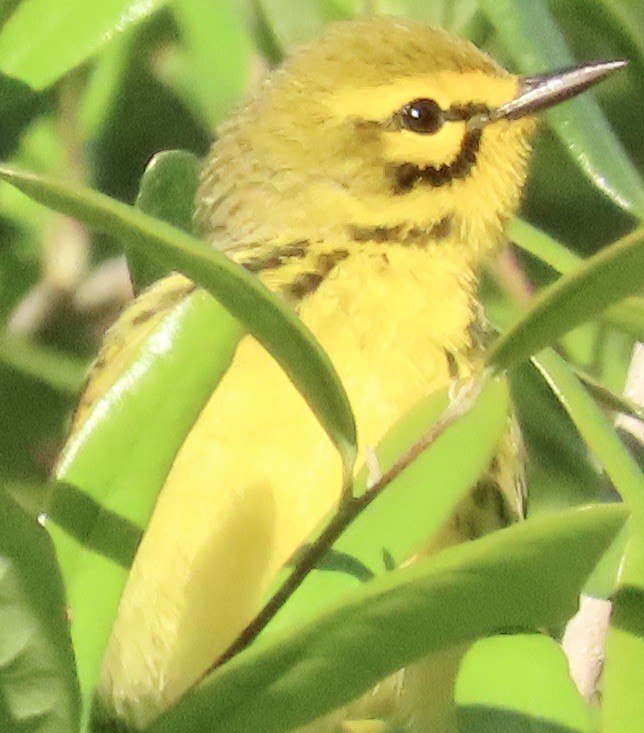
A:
{"x":89,"y":94}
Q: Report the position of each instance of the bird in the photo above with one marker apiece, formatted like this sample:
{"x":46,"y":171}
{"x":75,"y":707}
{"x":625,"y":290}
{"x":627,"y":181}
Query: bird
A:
{"x":367,"y":181}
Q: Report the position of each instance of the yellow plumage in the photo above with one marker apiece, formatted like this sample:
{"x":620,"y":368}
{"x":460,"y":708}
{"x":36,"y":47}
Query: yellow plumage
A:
{"x":375,"y":233}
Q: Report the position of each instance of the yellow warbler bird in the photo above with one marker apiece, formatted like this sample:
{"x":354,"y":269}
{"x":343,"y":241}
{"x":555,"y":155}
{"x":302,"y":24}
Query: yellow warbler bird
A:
{"x":366,"y":181}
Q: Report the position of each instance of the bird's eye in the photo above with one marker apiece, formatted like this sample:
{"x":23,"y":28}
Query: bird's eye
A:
{"x":422,"y":115}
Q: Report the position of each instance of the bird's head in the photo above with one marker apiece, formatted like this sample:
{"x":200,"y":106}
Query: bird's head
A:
{"x":380,"y":129}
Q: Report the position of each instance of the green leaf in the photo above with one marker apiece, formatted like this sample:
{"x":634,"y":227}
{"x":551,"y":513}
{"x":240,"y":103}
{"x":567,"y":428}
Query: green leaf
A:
{"x":42,"y":40}
{"x":606,"y":278}
{"x":167,"y":191}
{"x":412,"y":508}
{"x":532,"y":36}
{"x":519,"y":683}
{"x":513,"y":578}
{"x":107,"y":501}
{"x":264,"y":314}
{"x":38,"y":688}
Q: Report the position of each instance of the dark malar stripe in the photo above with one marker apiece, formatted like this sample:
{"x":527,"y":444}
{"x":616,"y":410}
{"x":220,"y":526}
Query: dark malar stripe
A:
{"x":404,"y":177}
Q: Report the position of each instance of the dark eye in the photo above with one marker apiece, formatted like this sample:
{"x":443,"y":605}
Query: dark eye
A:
{"x":423,"y":116}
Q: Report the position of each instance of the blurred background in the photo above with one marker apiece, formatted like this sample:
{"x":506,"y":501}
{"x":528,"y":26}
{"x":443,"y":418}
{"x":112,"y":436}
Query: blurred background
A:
{"x":91,"y":91}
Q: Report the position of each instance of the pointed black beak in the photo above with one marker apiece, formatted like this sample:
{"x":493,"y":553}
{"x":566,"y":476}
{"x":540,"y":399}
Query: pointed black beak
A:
{"x":537,"y":93}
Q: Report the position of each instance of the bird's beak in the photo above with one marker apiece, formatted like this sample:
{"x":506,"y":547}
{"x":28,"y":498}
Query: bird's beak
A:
{"x":537,"y":93}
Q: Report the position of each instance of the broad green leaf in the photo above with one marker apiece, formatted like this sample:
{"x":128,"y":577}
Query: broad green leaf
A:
{"x":167,"y":191}
{"x":602,"y":280}
{"x":114,"y":500}
{"x":264,"y":314}
{"x":413,"y":506}
{"x":42,"y":40}
{"x":168,"y":187}
{"x":38,"y":688}
{"x":526,"y":576}
{"x":519,"y":683}
{"x":533,"y":38}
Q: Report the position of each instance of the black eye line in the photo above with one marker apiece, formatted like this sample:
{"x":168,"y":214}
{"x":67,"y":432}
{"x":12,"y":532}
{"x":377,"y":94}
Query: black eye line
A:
{"x":465,"y":111}
{"x":458,"y":112}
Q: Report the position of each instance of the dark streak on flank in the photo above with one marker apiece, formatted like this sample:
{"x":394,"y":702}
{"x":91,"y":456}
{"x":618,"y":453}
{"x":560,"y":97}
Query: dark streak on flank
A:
{"x":166,"y":300}
{"x":404,"y":177}
{"x":452,"y":365}
{"x":400,"y":234}
{"x":303,"y":285}
{"x":328,"y":260}
{"x":118,"y":337}
{"x":483,"y":511}
{"x":375,"y":234}
{"x":277,"y":256}
{"x":307,"y":283}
